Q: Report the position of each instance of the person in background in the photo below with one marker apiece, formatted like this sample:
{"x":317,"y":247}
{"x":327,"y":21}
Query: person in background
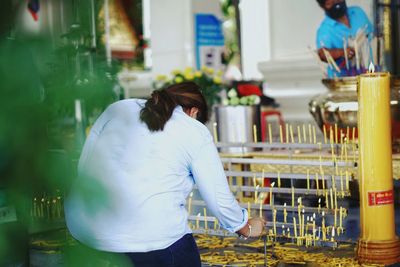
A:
{"x":339,"y":25}
{"x":145,"y":156}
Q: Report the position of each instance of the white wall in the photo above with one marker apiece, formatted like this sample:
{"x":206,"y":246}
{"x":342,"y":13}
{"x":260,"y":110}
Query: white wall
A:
{"x":172,"y":32}
{"x":255,"y":33}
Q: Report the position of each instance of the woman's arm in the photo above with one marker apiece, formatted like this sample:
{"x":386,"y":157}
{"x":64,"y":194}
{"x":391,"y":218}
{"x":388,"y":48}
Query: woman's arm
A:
{"x":209,"y":175}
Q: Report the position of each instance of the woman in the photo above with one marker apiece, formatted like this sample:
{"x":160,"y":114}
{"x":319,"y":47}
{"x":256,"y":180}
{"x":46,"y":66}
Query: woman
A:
{"x":143,"y":158}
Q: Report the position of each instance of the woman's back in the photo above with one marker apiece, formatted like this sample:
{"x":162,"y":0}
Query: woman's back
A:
{"x":129,"y":175}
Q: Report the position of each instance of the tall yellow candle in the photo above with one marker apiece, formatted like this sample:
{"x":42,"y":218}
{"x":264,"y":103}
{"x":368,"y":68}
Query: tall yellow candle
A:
{"x":314,"y":135}
{"x":325,"y":139}
{"x":308,"y":179}
{"x":317,"y":182}
{"x":331,"y":195}
{"x":291,"y":134}
{"x":336,"y":134}
{"x":190,"y":203}
{"x":274,"y":220}
{"x":299,"y":133}
{"x":347,"y":181}
{"x":248,"y":209}
{"x":310,"y":133}
{"x":287,"y":133}
{"x":269,"y":133}
{"x":255,"y":133}
{"x":215,"y":132}
{"x":295,"y":227}
{"x":319,"y":205}
{"x":198,"y":220}
{"x":279,"y":179}
{"x":304,"y":133}
{"x":281,"y":133}
{"x":292,"y":196}
{"x":205,"y":219}
{"x":377,"y":221}
{"x":271,"y":202}
{"x":284,"y":213}
{"x":341,"y":217}
{"x":261,"y":209}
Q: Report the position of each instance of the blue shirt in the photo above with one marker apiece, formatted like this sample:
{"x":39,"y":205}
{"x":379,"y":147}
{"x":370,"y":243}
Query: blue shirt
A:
{"x":330,"y":33}
{"x":132,"y":184}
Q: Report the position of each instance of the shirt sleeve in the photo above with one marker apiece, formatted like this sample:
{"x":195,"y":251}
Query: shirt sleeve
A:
{"x":209,"y":175}
{"x":324,"y":38}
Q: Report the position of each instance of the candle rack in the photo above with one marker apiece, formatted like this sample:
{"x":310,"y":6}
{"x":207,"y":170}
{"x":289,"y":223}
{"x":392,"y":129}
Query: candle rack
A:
{"x":296,"y":186}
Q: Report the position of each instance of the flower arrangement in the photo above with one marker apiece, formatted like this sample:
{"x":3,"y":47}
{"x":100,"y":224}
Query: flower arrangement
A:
{"x":209,"y":80}
{"x":233,"y":99}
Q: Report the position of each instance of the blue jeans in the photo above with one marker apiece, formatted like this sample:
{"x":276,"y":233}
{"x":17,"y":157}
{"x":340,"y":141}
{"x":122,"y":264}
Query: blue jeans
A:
{"x":182,"y":253}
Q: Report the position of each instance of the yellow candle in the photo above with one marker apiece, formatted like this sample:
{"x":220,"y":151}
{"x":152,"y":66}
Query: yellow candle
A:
{"x":314,"y":135}
{"x":190,"y":203}
{"x":323,"y":227}
{"x":198,"y":221}
{"x":261,"y":208}
{"x":269,"y":133}
{"x":215,"y":132}
{"x":292,"y":196}
{"x":255,"y":133}
{"x":317,"y":182}
{"x":326,"y":200}
{"x":347,"y":133}
{"x":341,"y":217}
{"x":215,"y":224}
{"x":262,"y":178}
{"x":270,"y":194}
{"x":304,"y":133}
{"x":353,"y":135}
{"x":256,"y":193}
{"x":299,"y":133}
{"x":310,"y":133}
{"x":291,"y":134}
{"x":335,"y":194}
{"x":284,"y":213}
{"x":308,"y":179}
{"x":341,"y":183}
{"x":295,"y":227}
{"x":319,"y":205}
{"x":336,"y":134}
{"x":323,"y":180}
{"x":274,"y":219}
{"x":279,"y":179}
{"x":333,"y":234}
{"x":205,"y":219}
{"x":331,"y":194}
{"x":302,"y":221}
{"x":335,"y":218}
{"x":341,"y":136}
{"x":324,"y":129}
{"x":248,"y":209}
{"x":287,"y":133}
{"x":281,"y":133}
{"x":347,"y":181}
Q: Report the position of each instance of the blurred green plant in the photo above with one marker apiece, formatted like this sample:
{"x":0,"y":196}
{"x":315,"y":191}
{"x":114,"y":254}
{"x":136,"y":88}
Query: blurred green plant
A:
{"x":209,"y":81}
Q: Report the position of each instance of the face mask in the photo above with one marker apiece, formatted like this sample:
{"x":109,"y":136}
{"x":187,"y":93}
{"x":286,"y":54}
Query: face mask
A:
{"x":337,"y":10}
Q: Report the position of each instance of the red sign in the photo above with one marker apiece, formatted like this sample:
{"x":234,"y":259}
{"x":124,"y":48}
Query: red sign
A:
{"x":380,"y":198}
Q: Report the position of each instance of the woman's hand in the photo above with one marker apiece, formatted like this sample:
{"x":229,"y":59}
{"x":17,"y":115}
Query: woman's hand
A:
{"x":257,"y":228}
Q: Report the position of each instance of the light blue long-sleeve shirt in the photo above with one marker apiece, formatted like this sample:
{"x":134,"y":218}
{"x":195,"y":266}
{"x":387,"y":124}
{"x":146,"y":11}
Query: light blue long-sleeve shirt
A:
{"x":132,"y":184}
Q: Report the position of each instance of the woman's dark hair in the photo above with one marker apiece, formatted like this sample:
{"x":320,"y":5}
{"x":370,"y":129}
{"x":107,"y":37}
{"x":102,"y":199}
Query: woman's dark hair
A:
{"x":159,"y":108}
{"x":321,"y":2}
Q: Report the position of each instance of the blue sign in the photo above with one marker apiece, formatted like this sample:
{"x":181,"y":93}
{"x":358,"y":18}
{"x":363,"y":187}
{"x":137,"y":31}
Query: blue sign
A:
{"x":208,"y":33}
